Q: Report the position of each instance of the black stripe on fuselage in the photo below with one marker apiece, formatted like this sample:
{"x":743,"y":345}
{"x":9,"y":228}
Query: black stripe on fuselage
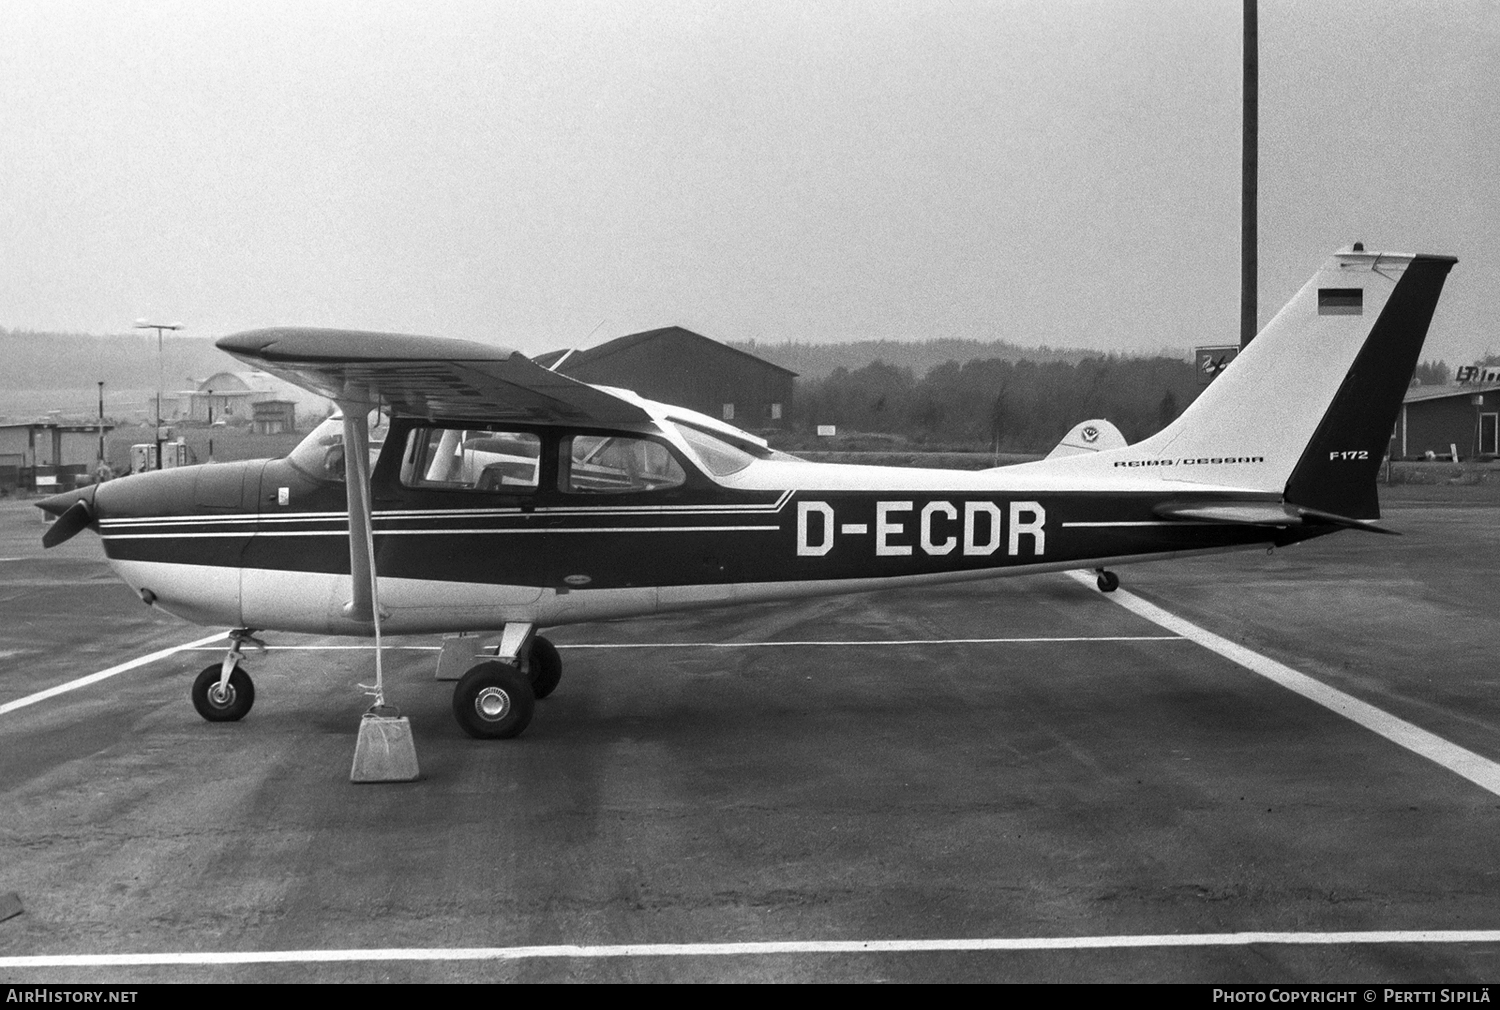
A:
{"x":812,"y":536}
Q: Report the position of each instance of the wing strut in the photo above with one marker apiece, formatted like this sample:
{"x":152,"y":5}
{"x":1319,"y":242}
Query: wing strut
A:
{"x":365,"y":602}
{"x":385,"y":751}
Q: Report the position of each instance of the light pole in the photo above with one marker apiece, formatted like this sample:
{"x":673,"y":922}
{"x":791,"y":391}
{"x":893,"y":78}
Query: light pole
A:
{"x":1250,"y":175}
{"x":142,"y":324}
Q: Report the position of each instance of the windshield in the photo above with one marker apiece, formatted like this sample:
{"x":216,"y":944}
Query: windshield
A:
{"x":321,"y":453}
{"x":717,"y":456}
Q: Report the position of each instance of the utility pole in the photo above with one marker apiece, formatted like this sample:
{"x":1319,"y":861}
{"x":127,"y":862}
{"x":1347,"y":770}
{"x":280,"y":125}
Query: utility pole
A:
{"x":142,"y":324}
{"x":101,"y":424}
{"x":1249,"y":170}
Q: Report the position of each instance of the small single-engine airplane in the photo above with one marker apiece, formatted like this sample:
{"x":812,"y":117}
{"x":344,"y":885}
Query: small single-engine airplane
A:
{"x":508,"y":498}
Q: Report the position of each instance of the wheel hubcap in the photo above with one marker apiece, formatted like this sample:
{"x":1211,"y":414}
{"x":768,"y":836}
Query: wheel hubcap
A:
{"x":492,"y":704}
{"x":222,"y":697}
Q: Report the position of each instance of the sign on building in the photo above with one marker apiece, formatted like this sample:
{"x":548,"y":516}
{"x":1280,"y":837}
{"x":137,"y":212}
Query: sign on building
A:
{"x":1477,"y":373}
{"x":1208,"y":362}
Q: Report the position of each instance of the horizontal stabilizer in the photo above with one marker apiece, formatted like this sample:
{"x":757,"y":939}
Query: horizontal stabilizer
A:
{"x":1264,"y":513}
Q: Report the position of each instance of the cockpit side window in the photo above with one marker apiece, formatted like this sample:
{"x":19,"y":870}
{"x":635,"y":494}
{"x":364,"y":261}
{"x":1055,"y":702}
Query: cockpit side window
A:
{"x":614,"y":464}
{"x":465,"y":459}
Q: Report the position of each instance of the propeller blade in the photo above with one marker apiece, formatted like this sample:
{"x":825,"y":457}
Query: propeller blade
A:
{"x":68,"y":524}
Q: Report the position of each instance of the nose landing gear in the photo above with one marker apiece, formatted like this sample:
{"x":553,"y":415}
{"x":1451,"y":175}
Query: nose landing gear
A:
{"x":1108,"y":581}
{"x":224,"y":692}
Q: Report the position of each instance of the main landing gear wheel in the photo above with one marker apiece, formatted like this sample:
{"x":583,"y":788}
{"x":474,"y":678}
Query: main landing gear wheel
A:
{"x":1108,"y":581}
{"x":493,"y":701}
{"x":228,"y":705}
{"x":544,"y":667}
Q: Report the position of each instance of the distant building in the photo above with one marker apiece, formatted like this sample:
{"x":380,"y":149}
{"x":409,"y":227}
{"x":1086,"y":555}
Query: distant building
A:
{"x":677,"y":366}
{"x":234,"y":397}
{"x":272,"y":417}
{"x":47,"y":455}
{"x":1438,"y":419}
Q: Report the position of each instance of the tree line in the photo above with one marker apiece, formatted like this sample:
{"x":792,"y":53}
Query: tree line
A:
{"x":817,"y":361}
{"x":1007,"y":406}
{"x":995,"y":404}
{"x":36,"y":360}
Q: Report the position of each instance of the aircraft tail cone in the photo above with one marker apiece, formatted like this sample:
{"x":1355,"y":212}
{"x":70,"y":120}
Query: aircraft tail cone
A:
{"x":386,"y":751}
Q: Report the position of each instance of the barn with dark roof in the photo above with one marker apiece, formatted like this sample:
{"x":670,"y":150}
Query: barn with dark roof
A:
{"x":677,"y":366}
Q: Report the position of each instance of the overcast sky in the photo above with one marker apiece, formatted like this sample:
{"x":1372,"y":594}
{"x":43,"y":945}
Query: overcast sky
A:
{"x":548,"y":174}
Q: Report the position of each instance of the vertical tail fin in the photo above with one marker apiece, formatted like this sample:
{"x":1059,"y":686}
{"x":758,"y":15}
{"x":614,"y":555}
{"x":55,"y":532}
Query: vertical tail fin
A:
{"x":1337,"y":471}
{"x":1308,"y":408}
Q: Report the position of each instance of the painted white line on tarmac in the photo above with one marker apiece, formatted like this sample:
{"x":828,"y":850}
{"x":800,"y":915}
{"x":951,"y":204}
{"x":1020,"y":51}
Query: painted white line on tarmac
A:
{"x":1460,"y":760}
{"x":568,"y":950}
{"x":869,"y":642}
{"x":332,"y":648}
{"x":755,"y":645}
{"x":94,"y":678}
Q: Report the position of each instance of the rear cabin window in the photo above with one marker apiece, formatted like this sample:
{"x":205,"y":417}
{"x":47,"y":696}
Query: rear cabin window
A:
{"x":463,"y":459}
{"x":612,"y":464}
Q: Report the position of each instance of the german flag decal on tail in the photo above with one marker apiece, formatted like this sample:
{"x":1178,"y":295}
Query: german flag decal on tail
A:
{"x":1341,"y":301}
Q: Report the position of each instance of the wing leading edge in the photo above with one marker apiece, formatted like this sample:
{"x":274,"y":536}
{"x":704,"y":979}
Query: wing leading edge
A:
{"x":428,"y":376}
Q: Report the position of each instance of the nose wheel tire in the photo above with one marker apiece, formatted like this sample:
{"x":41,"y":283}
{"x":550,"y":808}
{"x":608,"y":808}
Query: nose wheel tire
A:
{"x":229,"y":705}
{"x":493,"y":701}
{"x":1108,"y":581}
{"x":544,"y":667}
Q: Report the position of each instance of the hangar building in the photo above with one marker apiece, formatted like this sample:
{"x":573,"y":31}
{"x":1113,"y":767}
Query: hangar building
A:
{"x":258,"y":398}
{"x":1437,"y":418}
{"x":677,"y":366}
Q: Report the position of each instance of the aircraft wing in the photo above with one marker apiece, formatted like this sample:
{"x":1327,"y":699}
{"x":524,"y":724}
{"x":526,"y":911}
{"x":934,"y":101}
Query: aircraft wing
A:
{"x":428,"y":376}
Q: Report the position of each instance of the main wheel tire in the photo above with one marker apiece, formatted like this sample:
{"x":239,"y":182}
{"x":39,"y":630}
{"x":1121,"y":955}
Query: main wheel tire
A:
{"x":493,"y":701}
{"x":232,"y":704}
{"x":1108,"y":582}
{"x":544,"y":667}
